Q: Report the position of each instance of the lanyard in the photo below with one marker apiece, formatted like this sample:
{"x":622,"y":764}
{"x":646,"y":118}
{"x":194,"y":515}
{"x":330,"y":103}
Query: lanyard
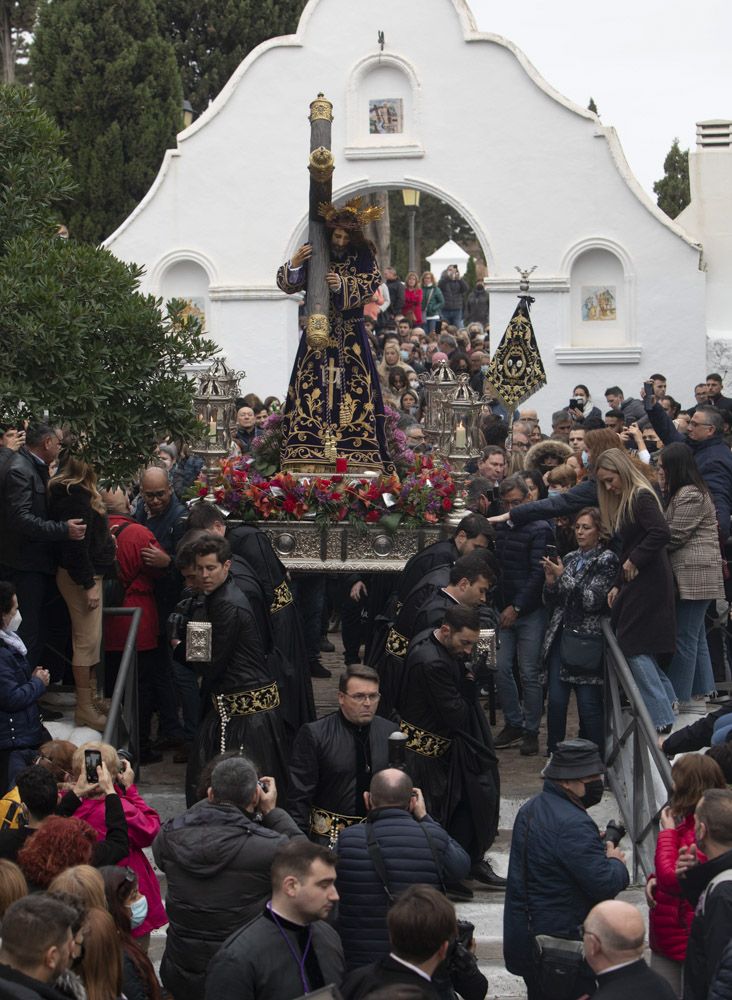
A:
{"x":300,"y":961}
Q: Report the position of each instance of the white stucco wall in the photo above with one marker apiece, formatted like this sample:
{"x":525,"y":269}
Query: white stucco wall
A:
{"x":709,"y":215}
{"x":540,"y":180}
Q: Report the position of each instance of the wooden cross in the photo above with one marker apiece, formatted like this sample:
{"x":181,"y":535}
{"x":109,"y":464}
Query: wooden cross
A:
{"x":330,"y":375}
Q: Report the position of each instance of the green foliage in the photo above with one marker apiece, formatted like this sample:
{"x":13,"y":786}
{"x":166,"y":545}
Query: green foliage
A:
{"x":79,"y":340}
{"x":211,"y":38}
{"x":35,"y":180}
{"x":17,"y":18}
{"x":592,"y":106}
{"x":470,"y":276}
{"x":672,"y":191}
{"x":110,"y":81}
{"x":436,"y":222}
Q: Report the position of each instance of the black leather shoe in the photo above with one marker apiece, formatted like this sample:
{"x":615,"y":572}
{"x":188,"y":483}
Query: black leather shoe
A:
{"x":458,"y":892}
{"x":326,"y":646}
{"x":49,"y":715}
{"x":318,"y":670}
{"x":483,"y":872}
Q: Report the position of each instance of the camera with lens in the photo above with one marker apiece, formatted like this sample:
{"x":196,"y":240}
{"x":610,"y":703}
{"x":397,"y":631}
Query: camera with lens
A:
{"x":614,"y":832}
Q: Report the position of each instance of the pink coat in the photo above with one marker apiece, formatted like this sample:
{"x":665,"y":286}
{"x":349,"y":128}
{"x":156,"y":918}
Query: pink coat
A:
{"x":670,"y":920}
{"x":143,"y":824}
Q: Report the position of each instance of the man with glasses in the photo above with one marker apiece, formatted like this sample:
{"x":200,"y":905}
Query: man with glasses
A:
{"x":713,"y":457}
{"x":27,"y":536}
{"x":334,"y":759}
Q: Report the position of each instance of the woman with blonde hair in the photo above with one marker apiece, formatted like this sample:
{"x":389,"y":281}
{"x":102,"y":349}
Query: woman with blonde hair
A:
{"x":101,"y":965}
{"x":413,"y":299}
{"x":83,"y":882}
{"x":642,"y":600}
{"x":432,"y":302}
{"x":12,"y":884}
{"x":73,"y":493}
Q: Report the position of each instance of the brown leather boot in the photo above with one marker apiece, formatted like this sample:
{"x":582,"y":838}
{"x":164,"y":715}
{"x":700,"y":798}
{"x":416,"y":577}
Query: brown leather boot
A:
{"x":85,"y":713}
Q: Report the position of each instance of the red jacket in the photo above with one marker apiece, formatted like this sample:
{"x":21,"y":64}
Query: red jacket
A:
{"x":413,"y":303}
{"x":670,"y":920}
{"x":139,"y":581}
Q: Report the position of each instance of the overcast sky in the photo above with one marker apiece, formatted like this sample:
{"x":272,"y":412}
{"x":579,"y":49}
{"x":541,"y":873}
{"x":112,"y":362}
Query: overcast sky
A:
{"x":654,"y":67}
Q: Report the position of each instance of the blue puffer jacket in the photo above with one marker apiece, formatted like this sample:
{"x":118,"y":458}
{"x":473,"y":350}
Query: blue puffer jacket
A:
{"x":408,"y":860}
{"x":568,"y":873}
{"x":519,"y":551}
{"x":20,"y":719}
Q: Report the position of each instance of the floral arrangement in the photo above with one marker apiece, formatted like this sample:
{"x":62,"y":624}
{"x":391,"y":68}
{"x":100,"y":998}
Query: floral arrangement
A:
{"x":423,"y":496}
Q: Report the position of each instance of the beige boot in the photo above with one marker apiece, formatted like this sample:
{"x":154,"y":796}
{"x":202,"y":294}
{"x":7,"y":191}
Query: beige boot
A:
{"x":86,"y":714}
{"x":100,"y":703}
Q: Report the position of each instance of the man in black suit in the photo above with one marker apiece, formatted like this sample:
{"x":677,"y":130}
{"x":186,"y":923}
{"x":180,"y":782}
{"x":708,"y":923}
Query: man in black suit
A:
{"x":614,"y":938}
{"x":421,"y":926}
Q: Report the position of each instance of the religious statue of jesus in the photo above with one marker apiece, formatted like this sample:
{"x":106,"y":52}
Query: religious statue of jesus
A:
{"x":334,"y":408}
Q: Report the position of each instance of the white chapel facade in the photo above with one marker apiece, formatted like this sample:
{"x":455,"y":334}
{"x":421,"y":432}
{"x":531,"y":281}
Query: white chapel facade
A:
{"x":438,"y":106}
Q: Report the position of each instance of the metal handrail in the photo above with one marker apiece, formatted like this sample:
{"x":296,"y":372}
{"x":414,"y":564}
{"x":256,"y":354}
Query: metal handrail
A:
{"x":638,"y":772}
{"x":123,"y":729}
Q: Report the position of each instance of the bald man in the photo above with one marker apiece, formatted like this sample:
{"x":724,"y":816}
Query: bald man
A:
{"x":398,"y":843}
{"x":614,"y":938}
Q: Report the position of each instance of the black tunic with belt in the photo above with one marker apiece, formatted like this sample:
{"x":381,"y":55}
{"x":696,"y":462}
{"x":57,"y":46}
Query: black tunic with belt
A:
{"x":452,"y":759}
{"x":239,"y":699}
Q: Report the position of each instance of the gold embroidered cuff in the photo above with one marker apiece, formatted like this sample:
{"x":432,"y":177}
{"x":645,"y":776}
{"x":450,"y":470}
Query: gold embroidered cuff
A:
{"x":329,"y":824}
{"x":282,"y":597}
{"x":262,"y":699}
{"x":423,"y":742}
{"x":396,"y":643}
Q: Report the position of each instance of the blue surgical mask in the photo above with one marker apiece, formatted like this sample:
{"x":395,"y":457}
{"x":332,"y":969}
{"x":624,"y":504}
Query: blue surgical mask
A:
{"x":585,"y":458}
{"x":138,"y":911}
{"x":553,"y":491}
{"x":485,"y":369}
{"x":404,"y":355}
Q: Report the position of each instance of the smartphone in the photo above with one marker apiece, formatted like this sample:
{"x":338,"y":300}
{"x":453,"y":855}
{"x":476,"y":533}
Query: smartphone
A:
{"x":92,"y":760}
{"x":648,"y":400}
{"x":576,"y":403}
{"x":552,"y":554}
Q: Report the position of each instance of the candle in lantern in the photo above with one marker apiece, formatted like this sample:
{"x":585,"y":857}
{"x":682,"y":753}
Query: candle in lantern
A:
{"x":212,"y":427}
{"x":460,"y":435}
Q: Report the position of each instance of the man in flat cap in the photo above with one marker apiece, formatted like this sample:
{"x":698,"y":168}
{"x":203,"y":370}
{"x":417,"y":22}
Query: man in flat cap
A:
{"x":559,"y":866}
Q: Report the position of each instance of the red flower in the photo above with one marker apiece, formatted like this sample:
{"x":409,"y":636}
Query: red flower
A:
{"x":447,"y":504}
{"x":373,"y":515}
{"x":289,"y":504}
{"x":203,"y":491}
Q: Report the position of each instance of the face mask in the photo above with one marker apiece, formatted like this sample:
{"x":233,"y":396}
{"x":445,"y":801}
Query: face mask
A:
{"x":404,"y":355}
{"x":413,"y":384}
{"x":14,"y":623}
{"x":651,"y":446}
{"x":585,"y":458}
{"x":485,"y":369}
{"x":553,"y":492}
{"x":138,"y":912}
{"x":593,"y":793}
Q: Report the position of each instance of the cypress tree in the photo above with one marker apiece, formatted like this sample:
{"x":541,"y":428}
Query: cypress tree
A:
{"x":78,"y":339}
{"x":672,"y":191}
{"x":211,"y":37}
{"x":17,"y":18}
{"x":106,"y":76}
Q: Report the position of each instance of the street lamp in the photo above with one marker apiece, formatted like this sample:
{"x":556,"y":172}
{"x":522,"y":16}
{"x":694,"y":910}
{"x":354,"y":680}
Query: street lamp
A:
{"x":410,"y":197}
{"x":188,"y":115}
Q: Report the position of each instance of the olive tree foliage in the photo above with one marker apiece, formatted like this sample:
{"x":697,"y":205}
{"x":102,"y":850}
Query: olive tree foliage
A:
{"x":80,"y":342}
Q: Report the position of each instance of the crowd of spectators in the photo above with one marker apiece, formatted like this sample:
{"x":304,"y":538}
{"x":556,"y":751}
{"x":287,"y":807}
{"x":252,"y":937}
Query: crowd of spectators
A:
{"x":304,"y":857}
